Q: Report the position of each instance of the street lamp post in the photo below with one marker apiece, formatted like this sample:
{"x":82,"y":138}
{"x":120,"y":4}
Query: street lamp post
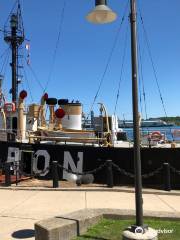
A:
{"x":137,"y":156}
{"x":103,"y":14}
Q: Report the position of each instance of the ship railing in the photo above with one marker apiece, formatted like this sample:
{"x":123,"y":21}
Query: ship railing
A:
{"x":65,"y":140}
{"x":12,"y":134}
{"x":176,"y":135}
{"x":152,"y":137}
{"x":2,"y":130}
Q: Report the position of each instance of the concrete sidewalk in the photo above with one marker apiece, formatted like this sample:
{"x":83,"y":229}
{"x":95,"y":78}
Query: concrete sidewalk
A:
{"x":20,"y":209}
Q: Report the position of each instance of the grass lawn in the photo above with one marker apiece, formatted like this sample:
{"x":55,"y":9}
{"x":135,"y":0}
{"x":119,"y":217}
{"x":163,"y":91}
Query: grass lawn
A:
{"x":108,"y":229}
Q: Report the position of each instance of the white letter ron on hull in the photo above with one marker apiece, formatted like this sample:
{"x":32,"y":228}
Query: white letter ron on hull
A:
{"x":68,"y":161}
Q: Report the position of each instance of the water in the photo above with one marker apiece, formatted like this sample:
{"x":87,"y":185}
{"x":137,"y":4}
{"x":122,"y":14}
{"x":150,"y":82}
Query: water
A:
{"x":168,"y":131}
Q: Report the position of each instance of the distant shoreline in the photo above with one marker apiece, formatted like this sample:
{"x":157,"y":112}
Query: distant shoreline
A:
{"x":161,"y":126}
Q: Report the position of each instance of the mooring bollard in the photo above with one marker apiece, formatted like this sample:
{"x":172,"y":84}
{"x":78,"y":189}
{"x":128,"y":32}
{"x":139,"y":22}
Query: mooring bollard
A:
{"x":7,"y":174}
{"x":110,"y":182}
{"x":16,"y":166}
{"x":167,"y":177}
{"x":55,"y":175}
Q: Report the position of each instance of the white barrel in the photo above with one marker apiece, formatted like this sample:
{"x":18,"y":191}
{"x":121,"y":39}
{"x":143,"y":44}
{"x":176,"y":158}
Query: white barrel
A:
{"x":73,"y":116}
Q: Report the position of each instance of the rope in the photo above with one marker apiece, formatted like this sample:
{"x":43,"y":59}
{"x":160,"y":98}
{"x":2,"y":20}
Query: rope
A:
{"x":12,"y":10}
{"x":18,"y":13}
{"x":122,"y":67}
{"x":153,"y":67}
{"x":28,"y":85}
{"x":20,"y":22}
{"x":5,"y":63}
{"x":35,"y":76}
{"x":142,"y":78}
{"x":140,"y":98}
{"x":5,"y":51}
{"x":56,"y":46}
{"x":108,"y":60}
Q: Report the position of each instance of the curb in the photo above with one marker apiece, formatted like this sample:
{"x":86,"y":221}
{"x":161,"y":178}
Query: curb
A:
{"x":76,"y":223}
{"x":91,"y":189}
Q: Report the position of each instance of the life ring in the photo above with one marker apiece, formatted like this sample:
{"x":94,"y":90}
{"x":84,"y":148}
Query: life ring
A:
{"x":176,"y":133}
{"x":156,"y":136}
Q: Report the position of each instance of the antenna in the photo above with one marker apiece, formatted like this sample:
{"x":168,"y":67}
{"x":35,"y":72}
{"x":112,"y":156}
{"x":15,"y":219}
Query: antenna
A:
{"x":14,"y":36}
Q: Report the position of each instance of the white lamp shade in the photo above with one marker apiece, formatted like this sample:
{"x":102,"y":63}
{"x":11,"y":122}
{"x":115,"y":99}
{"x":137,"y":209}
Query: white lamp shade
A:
{"x":101,"y":14}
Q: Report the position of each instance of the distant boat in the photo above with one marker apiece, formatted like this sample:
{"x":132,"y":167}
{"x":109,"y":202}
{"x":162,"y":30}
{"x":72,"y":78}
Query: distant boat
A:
{"x":145,"y":123}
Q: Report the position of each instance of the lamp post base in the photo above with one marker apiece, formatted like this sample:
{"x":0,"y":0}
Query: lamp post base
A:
{"x":149,"y":234}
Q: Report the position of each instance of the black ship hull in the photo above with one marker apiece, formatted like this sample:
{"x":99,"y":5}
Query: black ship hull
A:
{"x":37,"y":159}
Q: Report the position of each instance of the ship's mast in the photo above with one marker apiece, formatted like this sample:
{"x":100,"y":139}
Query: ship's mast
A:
{"x":14,"y":36}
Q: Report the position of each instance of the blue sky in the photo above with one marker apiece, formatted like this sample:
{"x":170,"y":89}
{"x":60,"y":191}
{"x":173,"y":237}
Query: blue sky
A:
{"x":84,"y":49}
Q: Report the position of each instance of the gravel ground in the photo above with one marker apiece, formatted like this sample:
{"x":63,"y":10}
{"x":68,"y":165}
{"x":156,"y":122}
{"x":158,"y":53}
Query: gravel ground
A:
{"x":33,"y":182}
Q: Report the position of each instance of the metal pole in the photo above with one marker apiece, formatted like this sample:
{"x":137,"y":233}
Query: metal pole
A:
{"x":14,"y":64}
{"x":55,"y":176}
{"x":137,"y":157}
{"x":101,"y":2}
{"x":167,"y":177}
{"x":7,"y":174}
{"x":109,"y":170}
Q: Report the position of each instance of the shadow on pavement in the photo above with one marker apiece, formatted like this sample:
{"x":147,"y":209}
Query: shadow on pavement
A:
{"x":23,"y":234}
{"x":93,"y":238}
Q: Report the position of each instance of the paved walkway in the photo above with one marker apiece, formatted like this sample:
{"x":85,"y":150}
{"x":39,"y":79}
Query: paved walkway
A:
{"x":20,"y":209}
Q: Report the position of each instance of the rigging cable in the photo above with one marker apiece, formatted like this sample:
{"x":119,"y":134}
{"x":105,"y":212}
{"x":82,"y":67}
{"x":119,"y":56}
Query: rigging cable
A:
{"x":142,"y":78}
{"x":19,"y":12}
{"x":12,"y":10}
{"x":140,"y":98}
{"x":28,"y":85}
{"x":5,"y":51}
{"x":121,"y":73}
{"x":35,"y":76}
{"x":4,"y":65}
{"x":139,"y":79}
{"x":152,"y":62}
{"x":153,"y":67}
{"x":26,"y":78}
{"x":56,"y":46}
{"x":109,"y":59}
